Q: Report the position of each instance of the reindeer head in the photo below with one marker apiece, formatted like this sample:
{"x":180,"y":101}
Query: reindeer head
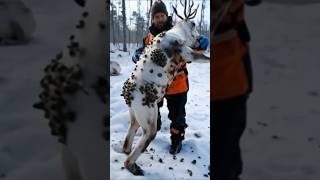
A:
{"x":186,"y":25}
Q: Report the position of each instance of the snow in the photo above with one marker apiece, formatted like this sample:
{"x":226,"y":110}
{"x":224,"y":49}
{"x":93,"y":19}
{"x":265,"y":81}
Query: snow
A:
{"x":285,"y":57}
{"x":197,"y":117}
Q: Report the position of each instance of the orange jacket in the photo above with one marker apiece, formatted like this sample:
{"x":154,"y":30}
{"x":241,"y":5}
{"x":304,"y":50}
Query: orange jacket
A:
{"x":228,"y":72}
{"x":180,"y":82}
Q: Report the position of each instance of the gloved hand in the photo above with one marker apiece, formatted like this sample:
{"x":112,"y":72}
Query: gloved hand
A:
{"x":203,"y":42}
{"x":136,"y":56}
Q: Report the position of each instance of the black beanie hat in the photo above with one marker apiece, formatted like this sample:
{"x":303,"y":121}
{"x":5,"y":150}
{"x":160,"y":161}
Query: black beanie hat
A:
{"x":158,"y":6}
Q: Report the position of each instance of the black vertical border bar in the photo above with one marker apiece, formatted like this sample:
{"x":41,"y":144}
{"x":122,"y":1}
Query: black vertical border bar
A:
{"x":107,"y":49}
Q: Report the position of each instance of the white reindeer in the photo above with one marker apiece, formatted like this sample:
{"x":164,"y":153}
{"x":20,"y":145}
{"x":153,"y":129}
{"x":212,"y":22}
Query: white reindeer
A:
{"x":153,"y":73}
{"x":74,"y":95}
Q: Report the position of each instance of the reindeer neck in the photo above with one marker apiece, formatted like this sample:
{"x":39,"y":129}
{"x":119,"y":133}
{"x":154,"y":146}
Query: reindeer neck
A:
{"x":91,"y":38}
{"x":177,"y":32}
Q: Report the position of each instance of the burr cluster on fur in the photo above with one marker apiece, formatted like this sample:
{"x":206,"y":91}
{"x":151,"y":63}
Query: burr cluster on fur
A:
{"x":158,"y":57}
{"x":58,"y":83}
{"x":150,"y":93}
{"x":127,"y":90}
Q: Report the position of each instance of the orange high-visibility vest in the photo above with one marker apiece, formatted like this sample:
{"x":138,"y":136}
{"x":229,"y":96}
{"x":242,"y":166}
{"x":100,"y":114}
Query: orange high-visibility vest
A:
{"x":179,"y":84}
{"x":228,"y":74}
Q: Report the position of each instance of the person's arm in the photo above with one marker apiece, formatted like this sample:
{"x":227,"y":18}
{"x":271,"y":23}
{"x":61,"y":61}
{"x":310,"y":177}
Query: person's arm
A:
{"x":138,"y":52}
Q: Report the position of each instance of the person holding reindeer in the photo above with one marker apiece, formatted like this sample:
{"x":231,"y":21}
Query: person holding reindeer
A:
{"x":176,"y":93}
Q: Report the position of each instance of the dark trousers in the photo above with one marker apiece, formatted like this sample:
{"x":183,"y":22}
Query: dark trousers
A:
{"x":177,"y":113}
{"x":228,"y":122}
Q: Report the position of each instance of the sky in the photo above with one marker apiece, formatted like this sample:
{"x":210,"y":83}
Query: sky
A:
{"x":132,"y":5}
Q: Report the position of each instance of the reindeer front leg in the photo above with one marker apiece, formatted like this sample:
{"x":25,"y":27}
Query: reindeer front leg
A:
{"x":70,"y":165}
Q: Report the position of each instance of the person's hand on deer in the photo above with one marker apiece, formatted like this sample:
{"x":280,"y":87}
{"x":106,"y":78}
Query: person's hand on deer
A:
{"x":203,"y":42}
{"x":136,"y":55}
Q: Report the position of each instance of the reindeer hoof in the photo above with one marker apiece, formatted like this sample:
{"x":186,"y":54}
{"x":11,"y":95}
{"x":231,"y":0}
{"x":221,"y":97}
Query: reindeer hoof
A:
{"x":135,"y":169}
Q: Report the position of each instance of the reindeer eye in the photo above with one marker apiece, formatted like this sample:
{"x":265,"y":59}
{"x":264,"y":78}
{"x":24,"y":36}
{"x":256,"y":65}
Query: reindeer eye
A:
{"x":193,"y":24}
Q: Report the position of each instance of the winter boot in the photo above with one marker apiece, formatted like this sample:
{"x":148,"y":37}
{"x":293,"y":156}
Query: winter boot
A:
{"x":176,"y":140}
{"x":159,"y":120}
{"x":160,"y":104}
{"x":158,"y":123}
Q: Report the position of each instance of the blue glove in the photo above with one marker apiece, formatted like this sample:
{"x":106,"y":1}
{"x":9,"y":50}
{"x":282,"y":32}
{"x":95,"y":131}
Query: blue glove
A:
{"x":203,"y":42}
{"x":136,"y":56}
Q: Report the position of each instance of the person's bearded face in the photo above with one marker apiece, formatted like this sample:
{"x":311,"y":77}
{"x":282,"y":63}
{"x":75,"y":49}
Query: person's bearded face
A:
{"x":159,"y":20}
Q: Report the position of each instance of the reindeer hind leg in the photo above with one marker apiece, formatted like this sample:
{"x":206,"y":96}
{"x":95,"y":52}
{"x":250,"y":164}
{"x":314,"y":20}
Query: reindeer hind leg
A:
{"x":134,"y":125}
{"x":148,"y":122}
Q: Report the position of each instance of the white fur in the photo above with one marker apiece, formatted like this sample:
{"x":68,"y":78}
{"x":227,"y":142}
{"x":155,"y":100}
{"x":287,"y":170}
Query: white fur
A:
{"x":85,"y":155}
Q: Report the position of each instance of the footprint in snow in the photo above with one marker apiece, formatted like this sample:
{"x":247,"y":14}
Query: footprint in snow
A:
{"x":197,"y":134}
{"x":189,"y":172}
{"x":117,"y":147}
{"x":275,"y":137}
{"x":273,"y":107}
{"x":313,"y":93}
{"x":263,"y":124}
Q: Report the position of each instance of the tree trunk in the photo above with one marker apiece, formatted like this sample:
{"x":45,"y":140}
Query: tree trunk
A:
{"x":124,"y":25}
{"x":112,"y":24}
{"x":202,"y":16}
{"x":149,"y":14}
{"x":138,"y":23}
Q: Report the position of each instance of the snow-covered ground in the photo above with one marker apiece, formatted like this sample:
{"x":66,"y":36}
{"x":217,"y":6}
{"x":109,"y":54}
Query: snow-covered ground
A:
{"x":282,"y":140}
{"x":196,"y":144}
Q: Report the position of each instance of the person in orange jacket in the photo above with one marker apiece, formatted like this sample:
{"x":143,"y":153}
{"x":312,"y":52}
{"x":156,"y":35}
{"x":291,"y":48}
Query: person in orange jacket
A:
{"x":231,"y":85}
{"x":176,"y":94}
